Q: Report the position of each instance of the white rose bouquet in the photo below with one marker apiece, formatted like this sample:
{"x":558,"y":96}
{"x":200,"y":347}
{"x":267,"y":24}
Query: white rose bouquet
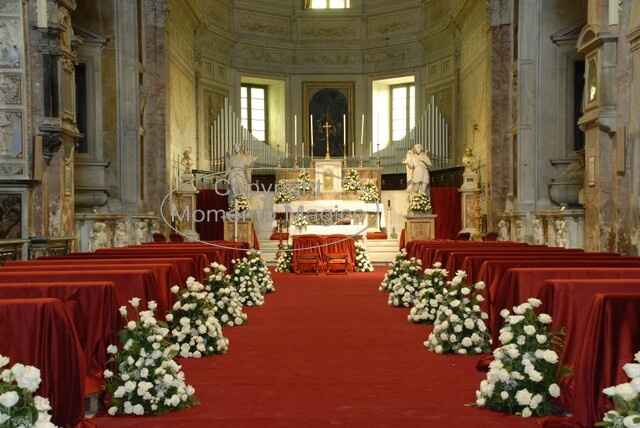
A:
{"x":523,"y":377}
{"x":369,"y":193}
{"x":300,"y":221}
{"x":459,"y":326}
{"x":284,"y":193}
{"x":393,"y":271}
{"x":363,"y":264}
{"x":251,"y":279}
{"x":431,"y":295}
{"x":144,"y":377}
{"x":420,"y":203}
{"x":407,"y":283}
{"x":228,"y":307}
{"x":19,"y":407}
{"x":351,"y":182}
{"x":304,"y":182}
{"x":193,"y":324}
{"x":626,"y":398}
{"x":239,"y":204}
{"x":284,"y":258}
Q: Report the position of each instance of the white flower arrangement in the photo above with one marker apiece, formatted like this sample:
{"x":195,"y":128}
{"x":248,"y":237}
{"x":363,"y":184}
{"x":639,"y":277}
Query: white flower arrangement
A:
{"x":351,"y":182}
{"x":193,"y":324}
{"x":363,"y":264}
{"x":251,"y":279}
{"x":284,"y":258}
{"x":284,"y":193}
{"x":394,"y":271}
{"x":369,"y":193}
{"x":626,"y":398}
{"x":420,"y":203}
{"x":304,"y":182}
{"x":431,"y":295}
{"x":523,"y":376}
{"x":406,"y":283}
{"x":228,"y":307}
{"x":239,"y":204}
{"x":144,"y":378}
{"x":459,"y":326}
{"x":19,"y":407}
{"x":300,"y":221}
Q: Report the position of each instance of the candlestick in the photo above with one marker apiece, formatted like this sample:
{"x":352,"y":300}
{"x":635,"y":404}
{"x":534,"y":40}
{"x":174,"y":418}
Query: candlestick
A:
{"x":344,"y":135}
{"x":295,"y":129}
{"x":311,"y":153}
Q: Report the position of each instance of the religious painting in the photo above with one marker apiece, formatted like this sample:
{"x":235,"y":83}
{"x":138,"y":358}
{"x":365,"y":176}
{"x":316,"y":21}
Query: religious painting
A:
{"x":10,"y":133}
{"x":10,"y":216}
{"x":331,"y":105}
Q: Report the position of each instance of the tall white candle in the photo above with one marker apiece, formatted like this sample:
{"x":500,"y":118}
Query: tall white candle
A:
{"x":362,"y":132}
{"x":311,"y":154}
{"x":295,"y":130}
{"x":344,"y":134}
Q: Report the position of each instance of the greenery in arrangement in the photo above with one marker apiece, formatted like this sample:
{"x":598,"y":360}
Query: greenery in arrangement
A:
{"x":460,"y":322}
{"x":228,"y":308}
{"x":144,"y":378}
{"x":369,"y":193}
{"x":240,"y":204}
{"x":19,"y":407}
{"x":523,"y":377}
{"x":420,"y":203}
{"x":300,"y":221}
{"x":351,"y":182}
{"x":406,"y":283}
{"x":251,"y":279}
{"x":284,"y":193}
{"x":192,"y":322}
{"x":363,"y":264}
{"x":431,"y":295}
{"x":626,"y":399}
{"x":284,"y":258}
{"x":393,"y":272}
{"x":304,"y":182}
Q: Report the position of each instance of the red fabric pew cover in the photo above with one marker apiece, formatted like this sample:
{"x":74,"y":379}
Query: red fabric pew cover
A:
{"x":128,"y":283}
{"x":164,"y":273}
{"x":38,"y":332}
{"x":92,"y":307}
{"x":454,"y":259}
{"x":519,"y":284}
{"x":425,"y":250}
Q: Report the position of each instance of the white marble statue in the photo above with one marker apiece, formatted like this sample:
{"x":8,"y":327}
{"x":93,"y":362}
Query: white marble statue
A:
{"x":141,"y":232}
{"x":520,"y":231}
{"x":238,"y":172}
{"x":562,"y":234}
{"x":417,"y":163}
{"x":503,"y":230}
{"x":186,"y":162}
{"x":538,"y":232}
{"x":121,"y":235}
{"x":99,"y":236}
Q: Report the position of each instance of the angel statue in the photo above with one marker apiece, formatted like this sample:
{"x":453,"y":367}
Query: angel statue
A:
{"x":417,"y":163}
{"x":238,"y":171}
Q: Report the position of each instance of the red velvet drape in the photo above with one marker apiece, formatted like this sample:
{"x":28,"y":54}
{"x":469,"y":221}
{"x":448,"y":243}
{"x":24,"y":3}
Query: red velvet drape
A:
{"x":447,"y":206}
{"x":213,"y":229}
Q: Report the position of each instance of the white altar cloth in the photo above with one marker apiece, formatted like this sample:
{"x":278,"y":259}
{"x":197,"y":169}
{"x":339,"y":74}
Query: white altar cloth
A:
{"x":335,"y":229}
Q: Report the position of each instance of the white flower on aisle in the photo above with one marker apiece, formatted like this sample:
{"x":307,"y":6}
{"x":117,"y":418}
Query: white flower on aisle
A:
{"x":363,"y":264}
{"x":626,"y":399}
{"x":228,"y":307}
{"x":251,"y":278}
{"x":193,"y":324}
{"x":284,"y":258}
{"x":399,"y":267}
{"x":406,"y":285}
{"x":459,"y":326}
{"x":523,"y":377}
{"x":430,"y":296}
{"x":18,"y":404}
{"x":143,"y":378}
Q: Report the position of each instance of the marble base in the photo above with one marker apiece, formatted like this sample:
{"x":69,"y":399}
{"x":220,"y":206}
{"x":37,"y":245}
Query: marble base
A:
{"x":420,"y":227}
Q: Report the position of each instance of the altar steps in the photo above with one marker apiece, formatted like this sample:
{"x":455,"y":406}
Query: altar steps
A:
{"x":381,"y":251}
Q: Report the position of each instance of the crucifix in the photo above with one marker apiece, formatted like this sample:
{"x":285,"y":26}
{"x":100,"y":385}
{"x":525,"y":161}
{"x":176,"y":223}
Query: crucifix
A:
{"x":327,"y":128}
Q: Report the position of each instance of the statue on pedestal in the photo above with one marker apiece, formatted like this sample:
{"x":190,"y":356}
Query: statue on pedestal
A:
{"x":417,"y":163}
{"x":186,"y":175}
{"x":238,"y":172}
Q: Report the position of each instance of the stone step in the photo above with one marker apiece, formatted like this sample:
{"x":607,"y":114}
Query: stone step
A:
{"x":381,"y":251}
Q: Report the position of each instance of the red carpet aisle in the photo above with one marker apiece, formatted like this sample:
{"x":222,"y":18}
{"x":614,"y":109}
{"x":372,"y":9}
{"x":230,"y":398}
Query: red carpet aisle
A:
{"x":329,"y":352}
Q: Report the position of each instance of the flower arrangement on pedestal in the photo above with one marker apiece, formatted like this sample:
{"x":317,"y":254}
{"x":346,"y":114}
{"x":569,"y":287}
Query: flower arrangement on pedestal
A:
{"x":420,"y":203}
{"x":369,"y":193}
{"x":284,"y":193}
{"x":407,"y":283}
{"x":19,"y":407}
{"x":251,"y":279}
{"x":431,"y":295}
{"x":228,"y":307}
{"x":351,"y":182}
{"x":304,"y":182}
{"x":144,"y":377}
{"x":300,"y":221}
{"x":626,"y":398}
{"x":284,"y":258}
{"x":363,"y":264}
{"x":459,"y":325}
{"x":523,"y":377}
{"x":192,"y":321}
{"x":239,"y":204}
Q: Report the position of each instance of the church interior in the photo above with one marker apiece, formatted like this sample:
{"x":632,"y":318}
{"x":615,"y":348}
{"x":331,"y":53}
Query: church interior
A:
{"x":274,"y":213}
